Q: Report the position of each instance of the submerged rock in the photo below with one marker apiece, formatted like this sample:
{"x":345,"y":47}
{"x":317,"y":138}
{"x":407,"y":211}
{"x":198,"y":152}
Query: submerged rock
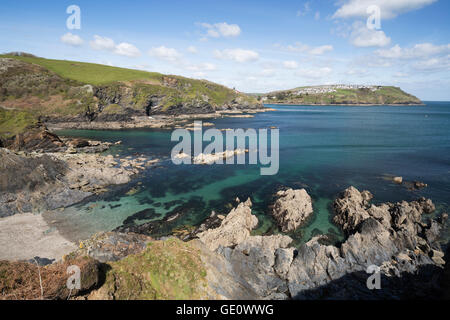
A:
{"x":292,"y":208}
{"x":398,"y":180}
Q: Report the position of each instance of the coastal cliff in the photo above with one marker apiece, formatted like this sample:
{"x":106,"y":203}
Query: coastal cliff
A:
{"x":72,"y":94}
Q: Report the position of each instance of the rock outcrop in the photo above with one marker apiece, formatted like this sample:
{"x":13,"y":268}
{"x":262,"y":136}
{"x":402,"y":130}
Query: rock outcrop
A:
{"x":391,"y":237}
{"x":234,"y":229}
{"x":292,"y":208}
{"x":221,"y":156}
{"x":350,"y":208}
{"x":250,"y":264}
{"x":32,"y":182}
{"x":37,"y":138}
{"x":113,"y":246}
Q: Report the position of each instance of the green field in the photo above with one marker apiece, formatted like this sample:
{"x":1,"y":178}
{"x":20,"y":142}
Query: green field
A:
{"x":91,"y":73}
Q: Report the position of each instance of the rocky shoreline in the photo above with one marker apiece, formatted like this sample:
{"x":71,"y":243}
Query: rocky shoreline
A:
{"x":351,"y":104}
{"x":152,"y":122}
{"x":231,"y":263}
{"x":42,"y":172}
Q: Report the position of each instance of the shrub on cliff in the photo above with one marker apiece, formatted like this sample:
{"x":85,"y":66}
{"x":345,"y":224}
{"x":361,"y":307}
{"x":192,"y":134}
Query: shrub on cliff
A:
{"x":168,"y":269}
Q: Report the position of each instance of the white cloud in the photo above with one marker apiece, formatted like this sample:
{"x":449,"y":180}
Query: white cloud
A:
{"x":223,"y":29}
{"x":321,"y":50}
{"x":304,"y":48}
{"x":433,"y":64}
{"x":389,"y":8}
{"x":421,"y":50}
{"x":422,"y":57}
{"x":314,"y":73}
{"x":199,"y":74}
{"x":401,"y":75}
{"x":361,"y":36}
{"x":102,"y":43}
{"x":238,"y":55}
{"x":192,"y":49}
{"x":127,"y":49}
{"x":306,"y":8}
{"x":143,"y":67}
{"x":393,"y":53}
{"x":267,"y":73}
{"x":123,"y":48}
{"x":228,"y":30}
{"x":317,"y":16}
{"x":206,"y":66}
{"x":290,"y":64}
{"x":72,"y":39}
{"x":357,"y":72}
{"x":164,"y":53}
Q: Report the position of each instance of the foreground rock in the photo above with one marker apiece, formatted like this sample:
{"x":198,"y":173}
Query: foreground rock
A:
{"x":350,"y":208}
{"x":389,"y":236}
{"x":292,"y":208}
{"x":234,"y":229}
{"x":113,"y":246}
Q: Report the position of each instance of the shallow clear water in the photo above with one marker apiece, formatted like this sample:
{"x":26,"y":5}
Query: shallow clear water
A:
{"x":323,"y":149}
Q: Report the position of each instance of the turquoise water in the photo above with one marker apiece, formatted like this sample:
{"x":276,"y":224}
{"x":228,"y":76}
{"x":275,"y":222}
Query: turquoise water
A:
{"x":323,"y":149}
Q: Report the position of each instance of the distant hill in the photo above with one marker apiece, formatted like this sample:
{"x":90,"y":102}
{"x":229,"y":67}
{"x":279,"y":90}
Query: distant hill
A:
{"x":341,"y":95}
{"x":32,"y":88}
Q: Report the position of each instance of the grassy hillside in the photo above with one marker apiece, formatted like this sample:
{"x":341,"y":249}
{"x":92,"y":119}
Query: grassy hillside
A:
{"x":331,"y":95}
{"x":13,"y":122}
{"x":95,"y":74}
{"x":59,"y":89}
{"x":101,"y":75}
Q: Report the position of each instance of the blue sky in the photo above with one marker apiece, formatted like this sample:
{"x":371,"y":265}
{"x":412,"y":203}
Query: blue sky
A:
{"x":255,"y":46}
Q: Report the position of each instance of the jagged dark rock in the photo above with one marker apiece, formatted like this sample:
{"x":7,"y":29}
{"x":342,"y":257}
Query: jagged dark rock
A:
{"x":37,"y":138}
